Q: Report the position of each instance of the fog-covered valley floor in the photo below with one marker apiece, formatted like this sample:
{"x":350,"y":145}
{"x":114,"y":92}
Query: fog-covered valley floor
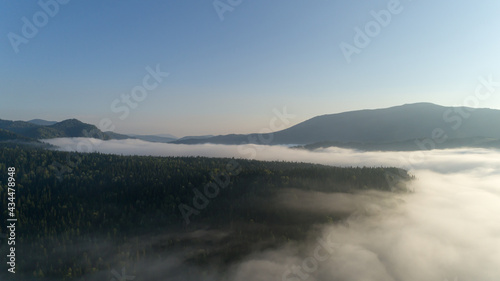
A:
{"x":447,"y":228}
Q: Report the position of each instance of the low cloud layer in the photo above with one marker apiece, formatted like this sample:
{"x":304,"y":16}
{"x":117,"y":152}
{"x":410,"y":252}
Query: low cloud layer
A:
{"x":444,"y":161}
{"x":447,"y":229}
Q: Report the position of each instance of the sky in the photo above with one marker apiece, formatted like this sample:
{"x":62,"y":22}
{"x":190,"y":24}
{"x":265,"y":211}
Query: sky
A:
{"x":219,"y":67}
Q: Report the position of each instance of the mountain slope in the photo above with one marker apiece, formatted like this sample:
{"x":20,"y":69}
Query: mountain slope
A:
{"x":195,"y":137}
{"x":152,"y":138}
{"x":394,"y":124}
{"x":11,"y":136}
{"x":41,"y":122}
{"x":76,"y":128}
{"x":116,"y":136}
{"x":66,"y":128}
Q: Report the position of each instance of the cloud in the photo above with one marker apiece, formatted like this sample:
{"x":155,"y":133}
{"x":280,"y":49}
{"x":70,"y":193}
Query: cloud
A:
{"x":447,"y":229}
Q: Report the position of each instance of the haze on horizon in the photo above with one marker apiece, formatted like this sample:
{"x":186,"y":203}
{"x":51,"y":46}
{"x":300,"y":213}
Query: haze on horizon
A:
{"x":228,"y":72}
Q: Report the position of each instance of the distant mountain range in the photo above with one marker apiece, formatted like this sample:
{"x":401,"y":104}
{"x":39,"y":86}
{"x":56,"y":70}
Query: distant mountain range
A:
{"x":406,"y":127}
{"x":35,"y":129}
{"x":153,"y":138}
{"x":169,"y":136}
{"x":195,"y":138}
{"x":66,"y":128}
{"x":398,"y":126}
{"x":42,"y":122}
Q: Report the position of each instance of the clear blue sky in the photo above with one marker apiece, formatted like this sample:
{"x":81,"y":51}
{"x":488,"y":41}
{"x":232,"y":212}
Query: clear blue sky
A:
{"x":227,"y":76}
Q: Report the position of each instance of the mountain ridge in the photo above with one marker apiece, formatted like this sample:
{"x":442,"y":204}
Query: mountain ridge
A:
{"x":65,"y":128}
{"x":399,"y":127}
{"x":41,"y":122}
{"x":393,"y":124}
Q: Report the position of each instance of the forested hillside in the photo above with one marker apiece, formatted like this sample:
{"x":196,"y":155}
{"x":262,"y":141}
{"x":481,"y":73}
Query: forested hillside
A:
{"x":66,"y":128}
{"x":80,"y":214}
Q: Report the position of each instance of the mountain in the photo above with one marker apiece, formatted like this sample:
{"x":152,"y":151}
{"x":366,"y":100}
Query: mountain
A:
{"x":66,"y":128}
{"x":42,"y":129}
{"x":195,"y":137}
{"x":42,"y":122}
{"x":377,"y":126}
{"x":75,"y":128}
{"x":116,"y":136}
{"x":11,"y":136}
{"x":153,"y":138}
{"x":167,"y":136}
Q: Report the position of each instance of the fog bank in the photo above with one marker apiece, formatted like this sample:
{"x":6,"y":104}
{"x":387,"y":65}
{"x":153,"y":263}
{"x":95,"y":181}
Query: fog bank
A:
{"x":447,"y":229}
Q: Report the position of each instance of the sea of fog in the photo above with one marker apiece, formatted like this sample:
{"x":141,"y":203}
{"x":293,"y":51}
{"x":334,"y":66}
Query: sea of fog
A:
{"x":447,"y":229}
